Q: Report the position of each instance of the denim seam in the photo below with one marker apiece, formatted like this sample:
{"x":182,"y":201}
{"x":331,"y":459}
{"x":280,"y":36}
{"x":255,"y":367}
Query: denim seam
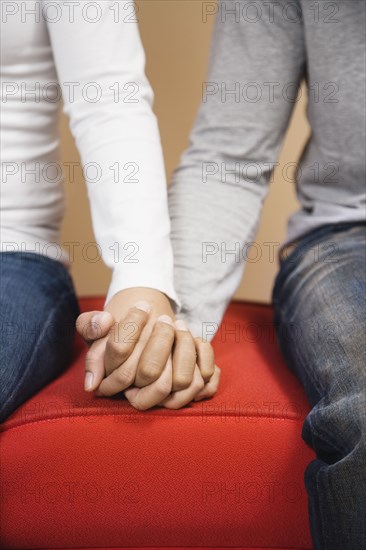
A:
{"x":321,"y":517}
{"x":328,"y":438}
{"x":304,"y":245}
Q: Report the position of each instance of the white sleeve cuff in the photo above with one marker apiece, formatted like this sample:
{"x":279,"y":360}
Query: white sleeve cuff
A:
{"x":128,"y":277}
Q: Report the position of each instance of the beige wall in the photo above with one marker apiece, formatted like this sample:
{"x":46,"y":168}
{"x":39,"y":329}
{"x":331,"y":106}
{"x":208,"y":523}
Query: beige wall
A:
{"x":177,"y":43}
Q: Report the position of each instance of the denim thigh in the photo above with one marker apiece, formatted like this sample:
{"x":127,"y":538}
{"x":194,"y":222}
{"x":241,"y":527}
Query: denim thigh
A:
{"x":319,"y":302}
{"x":38,"y":309}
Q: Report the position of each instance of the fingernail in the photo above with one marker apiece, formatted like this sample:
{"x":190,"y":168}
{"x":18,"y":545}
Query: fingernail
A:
{"x":89,"y":377}
{"x":165,"y":319}
{"x":145,"y":306}
{"x":181,"y":325}
{"x":100,"y":318}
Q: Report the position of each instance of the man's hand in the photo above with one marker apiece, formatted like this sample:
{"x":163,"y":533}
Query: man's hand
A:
{"x":144,"y":398}
{"x":136,"y":342}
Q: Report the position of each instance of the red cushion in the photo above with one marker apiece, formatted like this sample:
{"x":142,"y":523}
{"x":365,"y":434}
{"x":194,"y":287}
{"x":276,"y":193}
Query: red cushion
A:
{"x":85,"y":472}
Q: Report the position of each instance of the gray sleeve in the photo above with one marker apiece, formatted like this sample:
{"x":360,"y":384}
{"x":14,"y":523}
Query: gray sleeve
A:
{"x":218,"y":189}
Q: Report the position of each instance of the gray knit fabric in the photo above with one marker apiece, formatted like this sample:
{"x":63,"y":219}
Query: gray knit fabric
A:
{"x":261,"y":51}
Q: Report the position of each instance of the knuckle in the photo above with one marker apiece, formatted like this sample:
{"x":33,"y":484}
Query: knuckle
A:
{"x":147,"y":373}
{"x":181,"y":382}
{"x":136,"y":405}
{"x":152,"y":364}
{"x":119,"y":349}
{"x":214,"y":390}
{"x":92,"y":354}
{"x":207,"y":372}
{"x":123,"y":377}
{"x":199,"y":385}
{"x":163,"y":388}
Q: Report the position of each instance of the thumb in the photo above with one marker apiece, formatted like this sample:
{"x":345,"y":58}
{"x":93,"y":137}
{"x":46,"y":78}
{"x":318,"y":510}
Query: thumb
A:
{"x":94,"y":365}
{"x":93,"y":325}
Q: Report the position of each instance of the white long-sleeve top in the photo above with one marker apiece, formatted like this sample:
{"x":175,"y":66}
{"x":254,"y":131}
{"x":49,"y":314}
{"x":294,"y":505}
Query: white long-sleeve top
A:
{"x":91,"y":51}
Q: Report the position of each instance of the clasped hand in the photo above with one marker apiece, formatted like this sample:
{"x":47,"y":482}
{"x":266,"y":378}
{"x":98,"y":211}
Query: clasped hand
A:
{"x":138,"y":348}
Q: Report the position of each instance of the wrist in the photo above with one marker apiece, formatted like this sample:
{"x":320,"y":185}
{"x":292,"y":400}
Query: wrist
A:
{"x":127,"y":298}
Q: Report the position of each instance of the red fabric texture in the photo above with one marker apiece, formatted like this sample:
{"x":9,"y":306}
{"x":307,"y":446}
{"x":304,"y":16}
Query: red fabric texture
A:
{"x":85,"y":472}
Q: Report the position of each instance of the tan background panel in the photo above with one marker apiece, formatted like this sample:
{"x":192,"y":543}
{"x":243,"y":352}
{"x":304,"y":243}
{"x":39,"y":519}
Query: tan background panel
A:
{"x":177,"y":42}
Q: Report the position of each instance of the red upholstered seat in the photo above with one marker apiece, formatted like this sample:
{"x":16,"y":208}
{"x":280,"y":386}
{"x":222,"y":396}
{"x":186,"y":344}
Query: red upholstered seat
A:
{"x":85,"y":472}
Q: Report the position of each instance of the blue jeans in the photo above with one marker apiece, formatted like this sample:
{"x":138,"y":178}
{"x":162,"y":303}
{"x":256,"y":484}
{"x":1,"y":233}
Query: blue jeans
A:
{"x":38,"y":309}
{"x":319,"y":302}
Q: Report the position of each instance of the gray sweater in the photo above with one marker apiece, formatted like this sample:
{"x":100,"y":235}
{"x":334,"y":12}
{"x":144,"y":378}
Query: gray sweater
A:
{"x":261,"y":51}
